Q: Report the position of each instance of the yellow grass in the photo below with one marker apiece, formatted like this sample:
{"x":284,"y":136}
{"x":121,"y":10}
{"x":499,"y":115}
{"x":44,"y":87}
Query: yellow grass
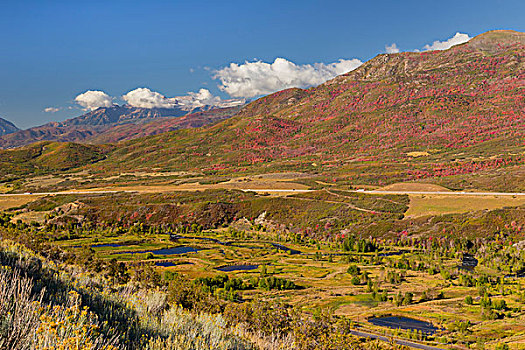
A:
{"x":31,"y":216}
{"x":8,"y":202}
{"x":237,"y":183}
{"x":422,"y":205}
{"x":417,"y":154}
{"x":414,"y":186}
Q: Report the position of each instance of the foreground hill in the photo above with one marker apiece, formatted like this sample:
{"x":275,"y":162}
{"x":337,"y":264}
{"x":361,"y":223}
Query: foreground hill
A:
{"x":6,"y":127}
{"x":116,"y":123}
{"x":398,"y":117}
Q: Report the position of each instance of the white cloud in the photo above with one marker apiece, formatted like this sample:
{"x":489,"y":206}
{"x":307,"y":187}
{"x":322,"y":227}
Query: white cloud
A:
{"x":203,"y":98}
{"x":91,"y":100}
{"x":52,"y":109}
{"x":457,"y":39}
{"x":145,"y":98}
{"x":259,"y":78}
{"x":392,"y":48}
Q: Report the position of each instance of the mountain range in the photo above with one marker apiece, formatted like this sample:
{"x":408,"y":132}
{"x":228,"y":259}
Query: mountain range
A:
{"x":436,"y":113}
{"x":116,"y":123}
{"x":398,"y":117}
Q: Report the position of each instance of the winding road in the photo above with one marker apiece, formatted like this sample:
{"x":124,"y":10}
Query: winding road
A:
{"x":394,"y":340}
{"x":271,"y":190}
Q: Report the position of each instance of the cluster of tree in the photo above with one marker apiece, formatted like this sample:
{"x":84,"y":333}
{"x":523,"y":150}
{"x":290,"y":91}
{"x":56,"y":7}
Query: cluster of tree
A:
{"x":355,"y":244}
{"x":492,"y":309}
{"x":270,"y":283}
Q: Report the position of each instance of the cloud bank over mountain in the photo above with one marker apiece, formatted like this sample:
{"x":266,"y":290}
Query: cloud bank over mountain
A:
{"x":93,"y":99}
{"x":457,"y":39}
{"x":256,"y":78}
{"x":146,"y":98}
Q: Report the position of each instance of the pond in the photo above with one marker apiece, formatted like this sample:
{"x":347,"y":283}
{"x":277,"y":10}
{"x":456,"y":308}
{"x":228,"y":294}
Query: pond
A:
{"x":175,"y":237}
{"x":468,"y":262}
{"x":401,"y":322}
{"x":102,"y":245}
{"x":165,"y":251}
{"x":518,"y":275}
{"x":231,"y":268}
{"x":171,"y":263}
{"x":282,"y":247}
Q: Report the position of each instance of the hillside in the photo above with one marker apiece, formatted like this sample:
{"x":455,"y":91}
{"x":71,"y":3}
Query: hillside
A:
{"x":109,"y":124}
{"x":44,"y":157}
{"x":404,"y":116}
{"x":6,"y":127}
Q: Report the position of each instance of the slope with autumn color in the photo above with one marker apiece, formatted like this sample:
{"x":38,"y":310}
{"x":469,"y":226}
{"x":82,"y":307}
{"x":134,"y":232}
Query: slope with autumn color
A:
{"x":462,"y":109}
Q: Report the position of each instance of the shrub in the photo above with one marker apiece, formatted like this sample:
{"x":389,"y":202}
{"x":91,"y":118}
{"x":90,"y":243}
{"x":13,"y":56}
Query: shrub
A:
{"x":353,"y":270}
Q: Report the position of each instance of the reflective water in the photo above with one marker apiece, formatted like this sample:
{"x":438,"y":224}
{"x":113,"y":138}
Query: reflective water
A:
{"x":401,"y":322}
{"x":237,"y":268}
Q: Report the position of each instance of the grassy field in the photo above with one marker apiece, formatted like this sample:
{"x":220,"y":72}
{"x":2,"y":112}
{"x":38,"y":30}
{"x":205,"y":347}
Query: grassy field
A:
{"x":136,"y":225}
{"x":323,"y":278}
{"x":414,"y":186}
{"x":426,"y":205}
{"x":8,"y":202}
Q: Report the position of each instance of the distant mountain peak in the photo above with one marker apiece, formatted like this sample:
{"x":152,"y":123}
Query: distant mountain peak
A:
{"x":102,"y":124}
{"x":6,"y":127}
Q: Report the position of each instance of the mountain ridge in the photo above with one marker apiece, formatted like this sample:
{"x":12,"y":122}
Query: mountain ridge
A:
{"x":7,"y":127}
{"x":100,"y":124}
{"x":460,"y":110}
{"x":444,"y":103}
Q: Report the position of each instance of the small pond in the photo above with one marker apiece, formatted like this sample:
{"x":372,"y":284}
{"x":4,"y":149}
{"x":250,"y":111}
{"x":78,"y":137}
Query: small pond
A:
{"x":102,"y":245}
{"x":401,"y":322}
{"x":231,"y":268}
{"x":171,"y":263}
{"x":165,"y":251}
{"x":282,"y":247}
{"x":518,"y":275}
{"x":175,"y":237}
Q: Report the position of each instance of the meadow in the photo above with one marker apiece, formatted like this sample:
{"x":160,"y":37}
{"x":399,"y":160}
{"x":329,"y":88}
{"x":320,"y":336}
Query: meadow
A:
{"x":326,"y":263}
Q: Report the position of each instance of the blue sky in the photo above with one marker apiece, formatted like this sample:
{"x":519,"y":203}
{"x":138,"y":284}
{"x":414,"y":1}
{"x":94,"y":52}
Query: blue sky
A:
{"x":51,"y":51}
